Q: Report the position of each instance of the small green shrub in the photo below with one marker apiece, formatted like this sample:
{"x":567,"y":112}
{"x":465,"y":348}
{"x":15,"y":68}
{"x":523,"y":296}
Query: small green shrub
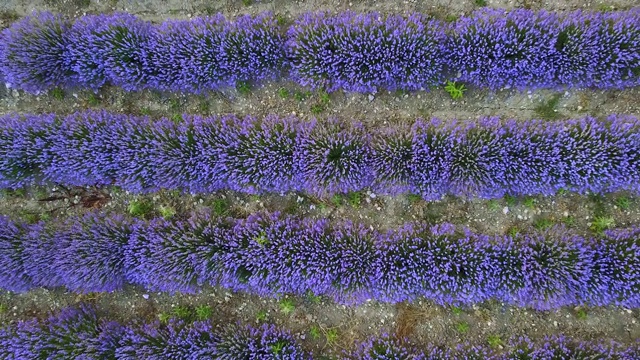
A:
{"x":623,"y":202}
{"x":183,"y":312}
{"x":315,"y":332}
{"x":261,"y":315}
{"x":57,"y":94}
{"x":462,"y":327}
{"x":543,"y":223}
{"x":494,"y":341}
{"x":602,"y":223}
{"x":287,"y":306}
{"x":481,"y":3}
{"x":510,"y":200}
{"x":454,"y":90}
{"x":140,"y":208}
{"x":529,"y":203}
{"x":203,"y":312}
{"x":283,"y":93}
{"x":220,"y":206}
{"x":167,"y":212}
{"x":331,"y":336}
{"x":243,"y":88}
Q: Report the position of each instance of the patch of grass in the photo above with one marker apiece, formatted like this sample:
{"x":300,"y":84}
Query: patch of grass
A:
{"x":569,"y":221}
{"x":451,"y":18}
{"x":247,"y":2}
{"x":14,"y":193}
{"x":145,"y":111}
{"x":493,"y":205}
{"x":261,"y":315}
{"x":414,"y":198}
{"x":324,"y":97}
{"x":82,"y":3}
{"x":581,"y":314}
{"x":315,"y":332}
{"x":623,"y":202}
{"x":93,"y":100}
{"x":455,"y":91}
{"x":3,"y":308}
{"x":177,"y":118}
{"x":562,"y":192}
{"x":602,"y":223}
{"x":57,"y":94}
{"x":283,"y":93}
{"x":140,"y":208}
{"x":301,"y":96}
{"x":546,"y":110}
{"x":331,"y":335}
{"x":494,"y":341}
{"x":354,"y":198}
{"x":599,"y":204}
{"x":316,"y":299}
{"x":262,"y":239}
{"x":513,"y":231}
{"x":606,"y":8}
{"x":543,"y":223}
{"x":167,"y":212}
{"x":164,"y":317}
{"x":287,"y":306}
{"x":456,"y":310}
{"x":277,"y":347}
{"x":510,"y":200}
{"x":243,"y":88}
{"x":337,"y":200}
{"x":481,"y":3}
{"x":529,"y":203}
{"x":317,"y":109}
{"x":183,"y":312}
{"x":203,"y":312}
{"x":9,"y":16}
{"x":220,"y":206}
{"x":462,"y":327}
{"x":204,"y":107}
{"x":281,"y":20}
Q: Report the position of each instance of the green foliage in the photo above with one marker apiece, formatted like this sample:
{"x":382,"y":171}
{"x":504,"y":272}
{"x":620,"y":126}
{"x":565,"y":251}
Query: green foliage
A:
{"x":140,"y":208}
{"x":336,"y":200}
{"x":462,"y":327}
{"x":283,"y":93}
{"x":174,"y":105}
{"x":354,"y":198}
{"x":243,"y":88}
{"x":93,"y":100}
{"x":494,"y":341}
{"x":177,"y":118}
{"x":57,"y":93}
{"x":543,"y":223}
{"x":454,"y":90}
{"x":203,"y":312}
{"x":414,"y":198}
{"x":569,"y":221}
{"x":481,"y":3}
{"x":287,"y":306}
{"x":164,"y":317}
{"x":317,"y":109}
{"x":602,"y":223}
{"x":456,"y":310}
{"x":493,"y":205}
{"x":261,"y":315}
{"x":546,"y":110}
{"x":145,"y":111}
{"x":331,"y":336}
{"x":247,"y":2}
{"x":203,"y":107}
{"x":581,"y":314}
{"x":183,"y":312}
{"x":529,"y":203}
{"x":301,"y":96}
{"x":167,"y":212}
{"x":315,"y":332}
{"x":316,"y":299}
{"x":451,"y":18}
{"x":513,"y":231}
{"x":262,"y":239}
{"x":278,"y":346}
{"x":510,"y":200}
{"x":3,"y":308}
{"x":14,"y":193}
{"x":220,"y":206}
{"x":562,"y":192}
{"x":281,"y":20}
{"x":623,"y":202}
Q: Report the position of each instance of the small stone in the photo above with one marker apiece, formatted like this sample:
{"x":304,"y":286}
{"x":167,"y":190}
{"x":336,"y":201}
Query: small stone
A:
{"x":579,"y":108}
{"x":371,"y":97}
{"x":565,"y":213}
{"x":302,"y":336}
{"x":555,"y":323}
{"x":519,"y":217}
{"x":505,"y":210}
{"x":145,"y":296}
{"x":299,"y":199}
{"x":372,"y":195}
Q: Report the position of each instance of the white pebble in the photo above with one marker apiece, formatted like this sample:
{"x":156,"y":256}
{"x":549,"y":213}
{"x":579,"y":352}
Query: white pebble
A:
{"x":145,"y":296}
{"x":505,"y":210}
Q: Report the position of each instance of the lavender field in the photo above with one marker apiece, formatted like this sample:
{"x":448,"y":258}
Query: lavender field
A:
{"x":319,"y":180}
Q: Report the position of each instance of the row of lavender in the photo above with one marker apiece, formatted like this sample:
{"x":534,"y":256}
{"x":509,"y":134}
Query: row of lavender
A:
{"x":488,"y":158}
{"x":270,"y":255}
{"x":78,"y":333}
{"x":358,"y":52}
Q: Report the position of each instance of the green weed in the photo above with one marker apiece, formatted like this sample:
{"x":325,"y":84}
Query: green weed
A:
{"x":140,"y":208}
{"x":220,"y":206}
{"x":331,"y":336}
{"x":203,"y":312}
{"x":167,"y":212}
{"x":602,"y":223}
{"x":481,"y":3}
{"x":301,"y":96}
{"x":529,"y":203}
{"x":494,"y":341}
{"x":287,"y":306}
{"x":315,"y":332}
{"x":623,"y":202}
{"x":354,"y":198}
{"x":543,"y":223}
{"x":145,"y":111}
{"x":510,"y":200}
{"x":569,"y":221}
{"x":261,"y":316}
{"x":414,"y":198}
{"x":456,"y":310}
{"x":581,"y":314}
{"x":57,"y":94}
{"x":93,"y":100}
{"x":164,"y":317}
{"x":243,"y":88}
{"x":493,"y":205}
{"x":278,"y":347}
{"x":454,"y":90}
{"x":283,"y":93}
{"x":462,"y":327}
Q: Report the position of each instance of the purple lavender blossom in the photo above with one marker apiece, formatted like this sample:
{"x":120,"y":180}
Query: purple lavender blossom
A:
{"x":33,"y":52}
{"x":391,"y":160}
{"x":333,"y":157}
{"x":263,"y":343}
{"x":90,"y":253}
{"x":388,"y":348}
{"x":13,"y":275}
{"x":110,"y":48}
{"x":364,"y":52}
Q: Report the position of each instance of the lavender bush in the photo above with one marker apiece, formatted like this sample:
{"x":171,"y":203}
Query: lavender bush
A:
{"x":487,"y":158}
{"x":78,"y":333}
{"x":356,"y":52}
{"x":270,"y":255}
